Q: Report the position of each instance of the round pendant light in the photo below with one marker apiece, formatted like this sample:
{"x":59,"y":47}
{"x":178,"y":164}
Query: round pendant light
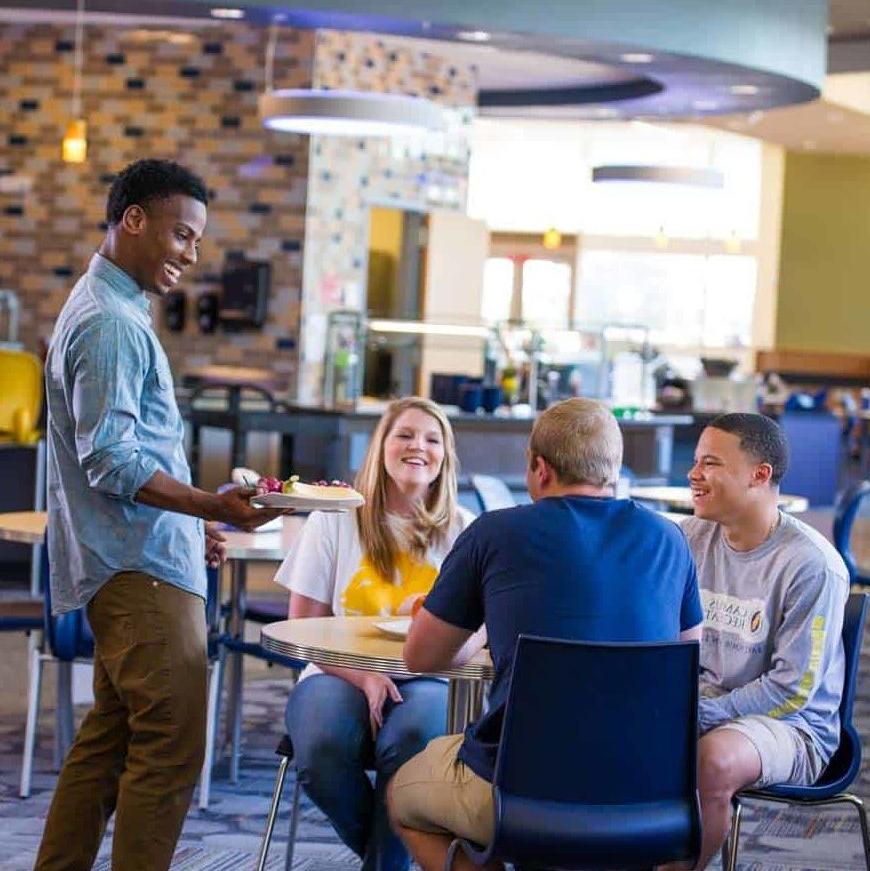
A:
{"x":348,"y":113}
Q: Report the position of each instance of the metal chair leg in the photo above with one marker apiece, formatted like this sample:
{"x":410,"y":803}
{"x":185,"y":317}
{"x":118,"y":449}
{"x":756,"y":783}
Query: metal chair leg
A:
{"x":273,"y":813}
{"x":221,"y":666}
{"x":451,"y":854}
{"x":733,"y":839}
{"x":65,"y":724}
{"x":294,"y":824}
{"x":237,"y":664}
{"x":858,"y":804}
{"x":34,"y":692}
{"x":210,"y":730}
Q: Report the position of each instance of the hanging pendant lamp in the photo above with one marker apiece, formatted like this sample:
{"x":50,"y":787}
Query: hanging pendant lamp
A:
{"x":694,"y":176}
{"x":348,"y":113}
{"x":342,"y":113}
{"x":74,"y":148}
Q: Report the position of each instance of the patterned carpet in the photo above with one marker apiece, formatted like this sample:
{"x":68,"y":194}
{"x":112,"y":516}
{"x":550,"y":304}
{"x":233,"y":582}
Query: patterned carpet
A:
{"x":227,"y":835}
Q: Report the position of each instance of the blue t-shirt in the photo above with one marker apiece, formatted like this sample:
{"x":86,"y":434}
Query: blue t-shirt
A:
{"x":574,"y":567}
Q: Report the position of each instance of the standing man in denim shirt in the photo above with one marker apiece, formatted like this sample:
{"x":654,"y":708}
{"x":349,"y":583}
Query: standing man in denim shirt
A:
{"x":124,"y":534}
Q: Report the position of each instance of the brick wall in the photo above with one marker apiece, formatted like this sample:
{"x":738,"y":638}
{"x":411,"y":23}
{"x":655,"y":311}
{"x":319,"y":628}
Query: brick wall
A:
{"x":190,"y":94}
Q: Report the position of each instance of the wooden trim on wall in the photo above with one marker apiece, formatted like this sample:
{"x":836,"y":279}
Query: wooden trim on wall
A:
{"x":787,"y":362}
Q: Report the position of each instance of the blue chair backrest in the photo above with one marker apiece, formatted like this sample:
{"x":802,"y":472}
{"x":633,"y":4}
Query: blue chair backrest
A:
{"x":69,"y":634}
{"x":853,"y":636}
{"x":847,"y":509}
{"x":846,"y":761}
{"x":600,"y":723}
{"x":492,"y":492}
{"x":597,"y":763}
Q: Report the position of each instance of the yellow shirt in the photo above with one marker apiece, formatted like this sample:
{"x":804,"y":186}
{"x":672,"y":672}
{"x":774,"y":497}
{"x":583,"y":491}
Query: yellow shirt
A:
{"x":327,"y":564}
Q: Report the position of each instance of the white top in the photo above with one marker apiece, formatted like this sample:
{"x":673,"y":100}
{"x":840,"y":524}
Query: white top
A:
{"x":327,"y":564}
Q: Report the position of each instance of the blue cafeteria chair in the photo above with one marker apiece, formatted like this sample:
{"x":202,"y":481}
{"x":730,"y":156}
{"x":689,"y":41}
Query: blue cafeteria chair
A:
{"x":67,"y":639}
{"x":597,"y":762}
{"x":848,"y":508}
{"x":845,"y":763}
{"x":492,"y":492}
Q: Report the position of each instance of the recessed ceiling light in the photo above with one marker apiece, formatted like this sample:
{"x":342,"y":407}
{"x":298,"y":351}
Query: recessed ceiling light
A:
{"x":474,"y":35}
{"x":704,"y":105}
{"x":222,"y":12}
{"x":743,"y":90}
{"x":636,"y":57}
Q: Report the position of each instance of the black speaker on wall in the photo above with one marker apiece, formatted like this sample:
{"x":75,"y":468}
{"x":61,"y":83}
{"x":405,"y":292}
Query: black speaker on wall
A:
{"x":207,"y":312}
{"x":175,"y":310}
{"x":246,"y":286}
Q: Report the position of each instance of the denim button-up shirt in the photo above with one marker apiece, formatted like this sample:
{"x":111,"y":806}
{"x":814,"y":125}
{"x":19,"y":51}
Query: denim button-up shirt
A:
{"x":112,"y":423}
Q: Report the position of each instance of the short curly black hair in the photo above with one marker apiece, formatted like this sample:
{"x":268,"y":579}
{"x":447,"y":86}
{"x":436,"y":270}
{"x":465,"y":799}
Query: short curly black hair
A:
{"x":147,"y":180}
{"x":760,"y":437}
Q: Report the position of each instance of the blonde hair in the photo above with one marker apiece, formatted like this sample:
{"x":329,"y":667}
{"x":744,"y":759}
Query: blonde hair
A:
{"x":431,"y":520}
{"x":580,"y":439}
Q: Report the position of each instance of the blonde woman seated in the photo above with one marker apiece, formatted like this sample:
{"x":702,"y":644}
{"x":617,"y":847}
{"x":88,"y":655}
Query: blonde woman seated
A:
{"x":374,"y":561}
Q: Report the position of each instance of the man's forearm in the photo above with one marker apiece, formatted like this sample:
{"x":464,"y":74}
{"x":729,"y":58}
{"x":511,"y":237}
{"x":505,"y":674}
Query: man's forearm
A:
{"x":163,"y":491}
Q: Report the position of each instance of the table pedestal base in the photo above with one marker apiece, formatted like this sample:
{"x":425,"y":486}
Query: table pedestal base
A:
{"x":464,"y":703}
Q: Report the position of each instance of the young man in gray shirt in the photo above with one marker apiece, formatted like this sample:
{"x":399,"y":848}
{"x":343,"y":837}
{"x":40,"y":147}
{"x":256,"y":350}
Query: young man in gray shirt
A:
{"x":773,"y":592}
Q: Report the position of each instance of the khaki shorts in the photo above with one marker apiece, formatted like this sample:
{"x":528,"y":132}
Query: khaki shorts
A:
{"x":787,"y":754}
{"x":436,"y":792}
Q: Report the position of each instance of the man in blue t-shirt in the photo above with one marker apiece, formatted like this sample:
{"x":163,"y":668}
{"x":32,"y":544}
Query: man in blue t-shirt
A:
{"x":576,"y":564}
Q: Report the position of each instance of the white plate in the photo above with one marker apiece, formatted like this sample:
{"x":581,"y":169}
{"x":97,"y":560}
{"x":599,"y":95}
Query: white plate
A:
{"x":395,"y":628}
{"x":306,"y":503}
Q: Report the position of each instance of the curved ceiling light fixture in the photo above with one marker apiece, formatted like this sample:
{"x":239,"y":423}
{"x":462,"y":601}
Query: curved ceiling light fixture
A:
{"x":341,"y":113}
{"x":348,"y":113}
{"x":693,"y":176}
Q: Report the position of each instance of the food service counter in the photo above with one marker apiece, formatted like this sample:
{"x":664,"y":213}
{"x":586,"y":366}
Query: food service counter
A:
{"x":319,"y":443}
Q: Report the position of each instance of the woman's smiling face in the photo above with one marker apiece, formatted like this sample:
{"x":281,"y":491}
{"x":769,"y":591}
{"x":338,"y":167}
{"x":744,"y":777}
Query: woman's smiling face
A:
{"x":414,"y":451}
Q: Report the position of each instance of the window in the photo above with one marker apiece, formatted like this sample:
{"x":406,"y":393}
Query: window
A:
{"x":498,"y":287}
{"x":546,"y":292}
{"x":685,"y":299}
{"x":544,"y":285}
{"x":644,"y":253}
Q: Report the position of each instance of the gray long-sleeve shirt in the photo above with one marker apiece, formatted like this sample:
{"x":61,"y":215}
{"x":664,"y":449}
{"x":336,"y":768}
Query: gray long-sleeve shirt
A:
{"x":773,"y":619}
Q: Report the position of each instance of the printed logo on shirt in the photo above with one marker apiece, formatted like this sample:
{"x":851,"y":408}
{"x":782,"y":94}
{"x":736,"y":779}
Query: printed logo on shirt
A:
{"x":742,"y":617}
{"x":369,"y":594}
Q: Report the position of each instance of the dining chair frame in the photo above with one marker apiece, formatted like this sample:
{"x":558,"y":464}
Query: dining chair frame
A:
{"x":843,"y":767}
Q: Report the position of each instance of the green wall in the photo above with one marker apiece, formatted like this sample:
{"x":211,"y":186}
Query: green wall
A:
{"x":824,"y":277}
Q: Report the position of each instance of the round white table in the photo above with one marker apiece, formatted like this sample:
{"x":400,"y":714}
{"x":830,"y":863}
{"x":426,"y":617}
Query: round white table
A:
{"x":679,"y":499}
{"x":355,"y":642}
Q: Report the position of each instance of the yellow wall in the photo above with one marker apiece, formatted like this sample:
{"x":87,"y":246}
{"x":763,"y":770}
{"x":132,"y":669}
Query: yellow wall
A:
{"x":385,"y":252}
{"x":824,"y":276}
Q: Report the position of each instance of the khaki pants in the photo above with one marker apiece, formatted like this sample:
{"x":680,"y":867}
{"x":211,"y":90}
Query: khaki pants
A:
{"x":436,"y":792}
{"x":139,"y":750}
